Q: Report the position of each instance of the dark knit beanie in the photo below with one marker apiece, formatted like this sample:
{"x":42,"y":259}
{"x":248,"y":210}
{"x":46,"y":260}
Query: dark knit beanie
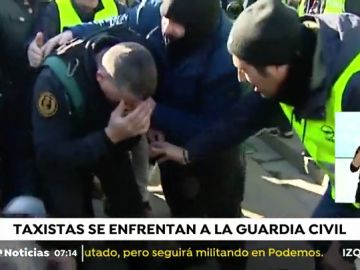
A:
{"x":199,"y":17}
{"x":266,"y":33}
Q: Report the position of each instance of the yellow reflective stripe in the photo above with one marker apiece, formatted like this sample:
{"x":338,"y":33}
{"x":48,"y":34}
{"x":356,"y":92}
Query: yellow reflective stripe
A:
{"x":69,"y":17}
{"x":301,"y":8}
{"x":331,"y":7}
{"x":67,"y":14}
{"x":109,"y":10}
{"x":334,"y":6}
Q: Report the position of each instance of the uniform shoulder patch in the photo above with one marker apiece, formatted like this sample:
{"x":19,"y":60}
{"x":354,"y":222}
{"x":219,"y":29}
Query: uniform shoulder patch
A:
{"x":47,"y":104}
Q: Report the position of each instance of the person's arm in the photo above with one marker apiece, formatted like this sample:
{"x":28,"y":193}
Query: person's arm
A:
{"x":87,"y":29}
{"x":128,"y":18}
{"x":55,"y":147}
{"x":47,"y":25}
{"x":212,"y":99}
{"x":246,"y":118}
{"x":142,"y":18}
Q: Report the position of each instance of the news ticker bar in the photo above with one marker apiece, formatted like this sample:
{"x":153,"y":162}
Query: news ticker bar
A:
{"x":164,"y":229}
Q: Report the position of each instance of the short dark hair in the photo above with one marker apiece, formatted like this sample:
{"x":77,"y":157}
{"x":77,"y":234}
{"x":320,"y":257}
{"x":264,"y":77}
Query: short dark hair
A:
{"x":132,"y":67}
{"x":261,"y":70}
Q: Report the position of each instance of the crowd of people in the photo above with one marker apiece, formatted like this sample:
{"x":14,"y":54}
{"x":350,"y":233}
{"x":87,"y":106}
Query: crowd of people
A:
{"x":95,"y":91}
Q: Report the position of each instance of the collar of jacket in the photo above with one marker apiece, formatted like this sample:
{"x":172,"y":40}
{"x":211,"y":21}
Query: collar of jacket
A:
{"x":337,"y":44}
{"x":321,"y":80}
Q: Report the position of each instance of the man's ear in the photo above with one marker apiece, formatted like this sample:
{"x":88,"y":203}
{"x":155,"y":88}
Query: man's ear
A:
{"x":100,"y":75}
{"x":280,"y":70}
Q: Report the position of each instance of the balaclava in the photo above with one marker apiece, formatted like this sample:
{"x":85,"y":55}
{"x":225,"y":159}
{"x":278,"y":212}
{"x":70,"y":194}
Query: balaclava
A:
{"x":199,"y":17}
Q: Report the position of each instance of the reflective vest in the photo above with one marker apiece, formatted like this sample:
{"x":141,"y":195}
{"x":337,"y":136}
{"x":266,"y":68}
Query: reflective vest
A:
{"x":69,"y":17}
{"x":318,"y":136}
{"x":331,"y":7}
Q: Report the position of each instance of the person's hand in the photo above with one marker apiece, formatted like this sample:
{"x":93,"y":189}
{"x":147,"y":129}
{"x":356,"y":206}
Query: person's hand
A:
{"x":356,"y":160}
{"x":155,"y":135}
{"x":35,"y":52}
{"x":167,"y":151}
{"x":137,"y":122}
{"x":56,"y":41}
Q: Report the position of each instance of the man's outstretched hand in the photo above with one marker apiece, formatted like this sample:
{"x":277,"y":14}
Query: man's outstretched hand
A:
{"x":166,"y":151}
{"x":38,"y":50}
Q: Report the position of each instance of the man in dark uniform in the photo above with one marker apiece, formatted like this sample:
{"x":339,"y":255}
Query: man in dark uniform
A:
{"x":17,"y":19}
{"x":76,"y":138}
